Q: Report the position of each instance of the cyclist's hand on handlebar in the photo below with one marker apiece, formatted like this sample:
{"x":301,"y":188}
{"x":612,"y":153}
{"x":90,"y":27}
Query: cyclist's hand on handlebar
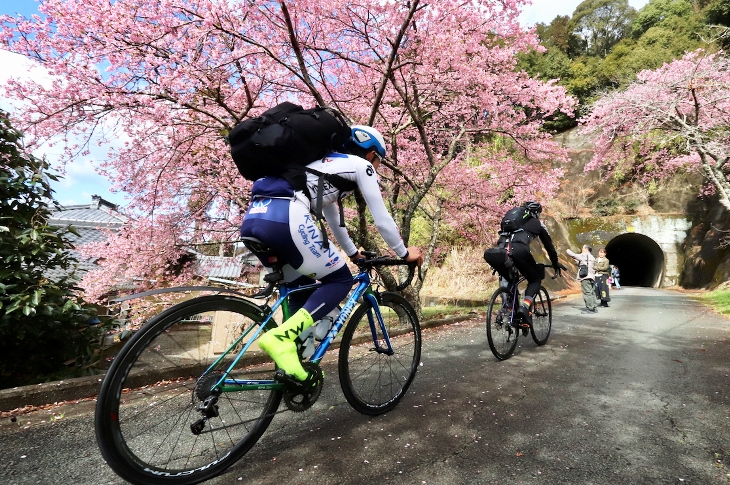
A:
{"x":559,"y":267}
{"x":356,"y":257}
{"x":414,"y":255}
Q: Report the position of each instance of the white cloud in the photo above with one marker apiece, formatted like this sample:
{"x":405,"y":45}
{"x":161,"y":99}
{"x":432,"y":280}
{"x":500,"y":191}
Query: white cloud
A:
{"x":16,"y":66}
{"x":81,"y":180}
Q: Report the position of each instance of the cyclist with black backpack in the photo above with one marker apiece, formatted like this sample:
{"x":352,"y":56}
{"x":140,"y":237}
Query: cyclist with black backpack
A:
{"x":281,"y":218}
{"x":519,"y":227}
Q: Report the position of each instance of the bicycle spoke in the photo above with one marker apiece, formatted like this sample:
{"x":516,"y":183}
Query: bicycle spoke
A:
{"x":149,"y":419}
{"x":374,"y":382}
{"x":542,"y":317}
{"x":502,"y":337}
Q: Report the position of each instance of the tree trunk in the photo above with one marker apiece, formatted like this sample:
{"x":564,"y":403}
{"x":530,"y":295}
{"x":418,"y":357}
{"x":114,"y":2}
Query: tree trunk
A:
{"x":717,"y":178}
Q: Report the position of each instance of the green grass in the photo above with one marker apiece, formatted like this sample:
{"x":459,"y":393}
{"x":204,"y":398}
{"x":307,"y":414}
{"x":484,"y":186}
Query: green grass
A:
{"x":719,"y":300}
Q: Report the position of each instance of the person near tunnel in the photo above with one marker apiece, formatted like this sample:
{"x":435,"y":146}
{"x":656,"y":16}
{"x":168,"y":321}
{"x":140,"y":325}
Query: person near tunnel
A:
{"x":586,"y":277}
{"x":603,"y":270}
{"x":615,"y":275}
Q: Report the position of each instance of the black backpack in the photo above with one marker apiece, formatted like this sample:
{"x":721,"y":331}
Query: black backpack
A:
{"x":286,"y":136}
{"x":513,"y":221}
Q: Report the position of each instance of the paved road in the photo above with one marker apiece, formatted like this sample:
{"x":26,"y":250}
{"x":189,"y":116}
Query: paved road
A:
{"x":638,"y":394}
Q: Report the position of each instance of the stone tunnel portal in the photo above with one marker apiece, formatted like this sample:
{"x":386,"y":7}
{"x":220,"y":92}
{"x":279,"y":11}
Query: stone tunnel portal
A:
{"x":639,"y":259}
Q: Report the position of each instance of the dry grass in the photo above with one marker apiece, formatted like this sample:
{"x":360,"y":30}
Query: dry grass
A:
{"x":463,"y":275}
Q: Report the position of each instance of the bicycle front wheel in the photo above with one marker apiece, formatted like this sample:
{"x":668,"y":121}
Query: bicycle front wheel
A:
{"x":501,"y":335}
{"x":373,"y":378}
{"x":150,"y":406}
{"x":542,"y":317}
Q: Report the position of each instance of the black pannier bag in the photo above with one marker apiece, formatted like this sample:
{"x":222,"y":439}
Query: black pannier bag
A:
{"x":499,"y":259}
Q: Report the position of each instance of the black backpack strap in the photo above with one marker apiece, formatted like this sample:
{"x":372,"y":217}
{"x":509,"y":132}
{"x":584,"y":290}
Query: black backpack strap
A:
{"x":293,"y":174}
{"x":342,"y":184}
{"x":296,"y":176}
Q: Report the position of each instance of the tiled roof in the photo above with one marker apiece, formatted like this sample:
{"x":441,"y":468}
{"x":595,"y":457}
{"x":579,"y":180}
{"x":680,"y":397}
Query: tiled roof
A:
{"x":99,"y":213}
{"x":86,"y":235}
{"x":90,"y":220}
{"x":218,"y":266}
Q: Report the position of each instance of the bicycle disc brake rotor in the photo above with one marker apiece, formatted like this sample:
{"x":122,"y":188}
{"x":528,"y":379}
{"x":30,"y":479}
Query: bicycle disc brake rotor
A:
{"x":298,"y":396}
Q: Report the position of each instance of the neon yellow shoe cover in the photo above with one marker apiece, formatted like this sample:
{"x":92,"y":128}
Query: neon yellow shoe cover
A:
{"x":279,"y":343}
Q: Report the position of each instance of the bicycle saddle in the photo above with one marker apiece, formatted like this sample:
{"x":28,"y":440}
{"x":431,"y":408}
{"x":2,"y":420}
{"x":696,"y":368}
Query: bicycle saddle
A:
{"x":256,"y":245}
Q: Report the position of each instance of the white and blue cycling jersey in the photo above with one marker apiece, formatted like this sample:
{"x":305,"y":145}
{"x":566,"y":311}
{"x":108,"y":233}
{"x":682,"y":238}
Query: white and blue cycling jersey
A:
{"x":281,"y":218}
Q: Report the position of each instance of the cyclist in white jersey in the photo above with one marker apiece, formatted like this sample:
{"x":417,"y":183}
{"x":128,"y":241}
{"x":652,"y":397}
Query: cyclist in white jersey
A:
{"x":281,"y":218}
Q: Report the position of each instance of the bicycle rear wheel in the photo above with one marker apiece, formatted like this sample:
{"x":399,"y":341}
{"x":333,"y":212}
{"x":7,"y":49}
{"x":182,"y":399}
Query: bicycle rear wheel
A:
{"x":152,"y":393}
{"x":372,"y":379}
{"x":501,"y":335}
{"x":542,"y":317}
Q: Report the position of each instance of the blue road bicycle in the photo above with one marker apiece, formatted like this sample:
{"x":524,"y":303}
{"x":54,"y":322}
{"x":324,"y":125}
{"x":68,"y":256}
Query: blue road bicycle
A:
{"x":188,"y":395}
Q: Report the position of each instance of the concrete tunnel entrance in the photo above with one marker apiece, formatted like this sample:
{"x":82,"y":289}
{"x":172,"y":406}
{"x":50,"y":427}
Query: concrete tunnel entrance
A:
{"x":639,"y":259}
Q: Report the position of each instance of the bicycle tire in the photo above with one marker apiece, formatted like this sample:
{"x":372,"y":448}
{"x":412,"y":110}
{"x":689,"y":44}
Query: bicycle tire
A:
{"x":150,"y":396}
{"x":372,"y":381}
{"x":542,"y":317}
{"x":502,"y":337}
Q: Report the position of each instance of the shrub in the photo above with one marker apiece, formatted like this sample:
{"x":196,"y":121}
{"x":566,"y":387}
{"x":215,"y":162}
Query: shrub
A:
{"x":606,"y":207}
{"x":44,"y":324}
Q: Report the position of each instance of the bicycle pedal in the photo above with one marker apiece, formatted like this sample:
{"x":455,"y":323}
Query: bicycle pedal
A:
{"x":287,"y":379}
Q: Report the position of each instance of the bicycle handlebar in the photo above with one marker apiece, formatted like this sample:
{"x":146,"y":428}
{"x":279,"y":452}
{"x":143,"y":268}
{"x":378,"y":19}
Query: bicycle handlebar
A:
{"x":560,"y":267}
{"x":371,"y":260}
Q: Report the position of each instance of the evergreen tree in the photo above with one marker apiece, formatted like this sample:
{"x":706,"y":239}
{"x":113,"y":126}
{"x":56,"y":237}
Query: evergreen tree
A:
{"x":606,"y":43}
{"x":602,"y":24}
{"x":44,"y":324}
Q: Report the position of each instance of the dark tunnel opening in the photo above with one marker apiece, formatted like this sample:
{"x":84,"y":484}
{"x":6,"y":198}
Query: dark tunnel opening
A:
{"x":639,"y":259}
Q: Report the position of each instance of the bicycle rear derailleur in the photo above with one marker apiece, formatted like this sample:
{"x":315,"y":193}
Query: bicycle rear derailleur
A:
{"x":301,"y":395}
{"x":208,"y":396}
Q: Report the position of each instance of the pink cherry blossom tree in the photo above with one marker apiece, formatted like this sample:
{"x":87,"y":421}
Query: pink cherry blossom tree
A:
{"x":673,"y":118}
{"x":172,"y":77}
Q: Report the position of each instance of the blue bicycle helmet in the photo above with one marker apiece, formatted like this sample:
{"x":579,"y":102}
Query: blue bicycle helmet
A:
{"x":368,"y":138}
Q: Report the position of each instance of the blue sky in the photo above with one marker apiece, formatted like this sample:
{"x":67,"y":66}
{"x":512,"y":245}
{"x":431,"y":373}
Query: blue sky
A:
{"x":546,"y":10}
{"x":81,"y":181}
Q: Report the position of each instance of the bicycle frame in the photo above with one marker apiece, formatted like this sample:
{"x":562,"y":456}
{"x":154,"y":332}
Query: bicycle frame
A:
{"x":362,"y":289}
{"x":514,"y":293}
